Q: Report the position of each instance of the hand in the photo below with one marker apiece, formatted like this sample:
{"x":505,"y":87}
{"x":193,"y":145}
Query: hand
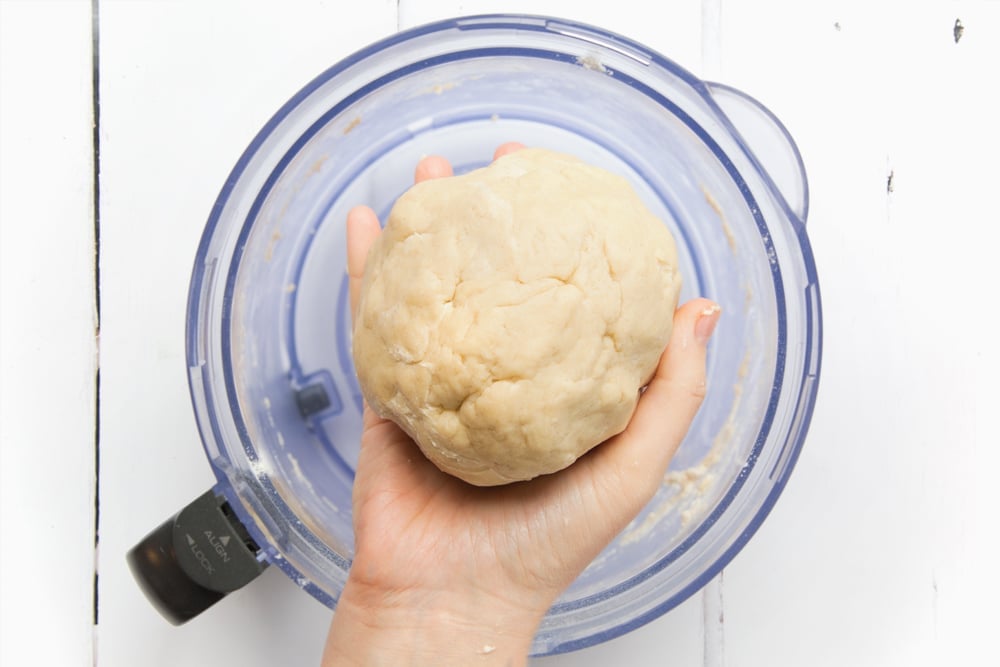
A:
{"x":446,"y":573}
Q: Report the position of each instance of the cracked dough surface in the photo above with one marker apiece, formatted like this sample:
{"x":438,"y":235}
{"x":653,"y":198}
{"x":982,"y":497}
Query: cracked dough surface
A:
{"x":508,"y":317}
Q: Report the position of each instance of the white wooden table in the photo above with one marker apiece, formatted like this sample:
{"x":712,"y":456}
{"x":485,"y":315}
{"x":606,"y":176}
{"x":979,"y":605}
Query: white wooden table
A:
{"x":883,"y":548}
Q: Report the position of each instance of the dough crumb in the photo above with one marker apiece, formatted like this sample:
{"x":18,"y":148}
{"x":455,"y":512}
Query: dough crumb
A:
{"x":711,"y":310}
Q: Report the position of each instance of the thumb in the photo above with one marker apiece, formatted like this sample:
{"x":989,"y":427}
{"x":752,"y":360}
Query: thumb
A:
{"x":641,"y":453}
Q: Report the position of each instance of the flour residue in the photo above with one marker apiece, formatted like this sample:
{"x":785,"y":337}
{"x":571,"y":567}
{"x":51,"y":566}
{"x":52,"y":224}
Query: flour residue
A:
{"x":272,"y":242}
{"x":317,"y":166}
{"x":726,"y":229}
{"x":592,"y":62}
{"x":442,"y":87}
{"x":353,"y":124}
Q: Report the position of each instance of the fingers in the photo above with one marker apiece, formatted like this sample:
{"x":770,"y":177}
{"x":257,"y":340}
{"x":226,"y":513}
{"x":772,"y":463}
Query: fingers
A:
{"x":668,"y":406}
{"x":432,"y":166}
{"x":675,"y":393}
{"x":435,"y":166}
{"x":362,"y":230}
{"x":506,"y":149}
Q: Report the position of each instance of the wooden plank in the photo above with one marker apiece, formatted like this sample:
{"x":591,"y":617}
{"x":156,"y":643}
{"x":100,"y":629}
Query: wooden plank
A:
{"x":47,"y":335}
{"x":184,"y":88}
{"x":877,"y":553}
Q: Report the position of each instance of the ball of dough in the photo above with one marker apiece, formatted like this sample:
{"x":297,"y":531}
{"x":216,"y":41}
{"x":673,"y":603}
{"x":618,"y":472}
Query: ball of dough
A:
{"x":509,"y":317}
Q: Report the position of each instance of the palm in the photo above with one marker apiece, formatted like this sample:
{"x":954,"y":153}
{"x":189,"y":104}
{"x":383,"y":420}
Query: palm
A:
{"x":431,"y":530}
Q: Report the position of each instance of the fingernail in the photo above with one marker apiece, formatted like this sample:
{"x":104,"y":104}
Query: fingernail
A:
{"x":707,"y":319}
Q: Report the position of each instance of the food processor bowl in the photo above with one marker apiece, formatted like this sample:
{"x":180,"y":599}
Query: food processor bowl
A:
{"x":268,"y":335}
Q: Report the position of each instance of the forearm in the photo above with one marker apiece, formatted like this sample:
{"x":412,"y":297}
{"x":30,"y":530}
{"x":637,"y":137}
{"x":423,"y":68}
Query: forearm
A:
{"x":434,"y":629}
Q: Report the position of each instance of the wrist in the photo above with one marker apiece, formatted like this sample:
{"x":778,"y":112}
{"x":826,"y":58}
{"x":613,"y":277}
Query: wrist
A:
{"x":420,"y":627}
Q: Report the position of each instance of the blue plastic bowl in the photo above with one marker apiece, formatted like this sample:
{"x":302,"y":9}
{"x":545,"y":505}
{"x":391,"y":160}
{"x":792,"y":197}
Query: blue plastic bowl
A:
{"x":268,"y":328}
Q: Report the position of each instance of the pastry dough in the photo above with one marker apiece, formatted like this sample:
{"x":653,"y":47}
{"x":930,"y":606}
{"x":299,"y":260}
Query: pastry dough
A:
{"x":509,"y":317}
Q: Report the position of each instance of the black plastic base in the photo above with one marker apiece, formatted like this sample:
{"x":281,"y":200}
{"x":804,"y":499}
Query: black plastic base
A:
{"x":194,"y":559}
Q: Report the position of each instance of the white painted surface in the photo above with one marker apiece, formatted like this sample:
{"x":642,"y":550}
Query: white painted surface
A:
{"x":47,"y":345}
{"x":880,"y":550}
{"x":883,"y":549}
{"x":184,"y":88}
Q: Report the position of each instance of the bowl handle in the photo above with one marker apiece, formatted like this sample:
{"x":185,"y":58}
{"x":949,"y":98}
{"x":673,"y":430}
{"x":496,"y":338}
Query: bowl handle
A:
{"x":195,"y":558}
{"x":769,"y":144}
